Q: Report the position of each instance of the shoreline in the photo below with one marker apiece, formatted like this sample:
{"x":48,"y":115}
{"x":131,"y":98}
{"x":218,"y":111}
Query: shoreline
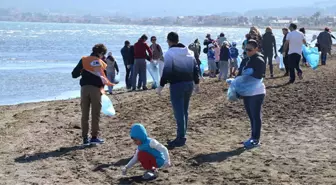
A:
{"x":313,"y":28}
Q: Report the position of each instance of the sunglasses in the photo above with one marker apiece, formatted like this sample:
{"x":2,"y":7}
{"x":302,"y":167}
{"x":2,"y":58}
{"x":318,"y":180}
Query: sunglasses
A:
{"x":249,"y":49}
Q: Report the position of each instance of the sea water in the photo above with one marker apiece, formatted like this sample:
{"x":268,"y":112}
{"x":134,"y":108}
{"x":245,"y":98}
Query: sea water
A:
{"x":36,"y":59}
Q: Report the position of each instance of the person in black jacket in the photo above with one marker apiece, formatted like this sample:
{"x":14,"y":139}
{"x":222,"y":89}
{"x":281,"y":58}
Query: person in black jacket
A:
{"x":127,"y":57}
{"x":91,"y":91}
{"x":268,"y":44}
{"x":181,"y":71}
{"x":285,"y":58}
{"x":224,"y":58}
{"x":253,"y":103}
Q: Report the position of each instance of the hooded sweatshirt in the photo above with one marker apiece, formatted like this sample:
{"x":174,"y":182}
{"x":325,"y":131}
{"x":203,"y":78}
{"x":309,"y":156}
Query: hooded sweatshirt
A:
{"x":180,"y":66}
{"x":151,"y":146}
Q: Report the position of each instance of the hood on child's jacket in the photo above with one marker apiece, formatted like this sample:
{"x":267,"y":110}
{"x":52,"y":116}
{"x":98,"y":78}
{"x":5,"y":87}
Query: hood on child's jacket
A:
{"x":138,"y":131}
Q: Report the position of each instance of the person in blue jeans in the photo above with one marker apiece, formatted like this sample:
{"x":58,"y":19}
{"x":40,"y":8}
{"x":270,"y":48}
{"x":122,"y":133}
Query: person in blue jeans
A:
{"x":254,"y":100}
{"x":181,"y":71}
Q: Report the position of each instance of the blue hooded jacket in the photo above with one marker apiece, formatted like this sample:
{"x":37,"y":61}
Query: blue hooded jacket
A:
{"x":138,"y":131}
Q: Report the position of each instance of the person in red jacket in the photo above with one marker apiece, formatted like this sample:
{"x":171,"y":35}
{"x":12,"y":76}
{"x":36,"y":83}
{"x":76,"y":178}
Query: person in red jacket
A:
{"x":140,"y":56}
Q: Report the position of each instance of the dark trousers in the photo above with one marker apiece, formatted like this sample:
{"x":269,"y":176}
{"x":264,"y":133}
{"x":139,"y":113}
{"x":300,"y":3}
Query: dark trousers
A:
{"x":324,"y":58}
{"x":268,"y":58}
{"x":180,"y":94}
{"x":253,"y":106}
{"x":294,"y":64}
{"x":128,"y":77}
{"x":285,"y":60}
{"x":139,"y":68}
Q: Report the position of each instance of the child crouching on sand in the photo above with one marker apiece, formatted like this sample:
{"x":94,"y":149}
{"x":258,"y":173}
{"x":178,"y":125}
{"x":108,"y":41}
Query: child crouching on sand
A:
{"x":150,"y":153}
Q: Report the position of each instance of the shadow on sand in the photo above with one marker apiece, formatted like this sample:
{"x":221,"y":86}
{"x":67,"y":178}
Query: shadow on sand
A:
{"x":44,"y":155}
{"x":216,"y":157}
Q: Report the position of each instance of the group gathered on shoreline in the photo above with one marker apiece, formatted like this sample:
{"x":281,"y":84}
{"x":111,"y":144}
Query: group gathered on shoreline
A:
{"x":181,"y":67}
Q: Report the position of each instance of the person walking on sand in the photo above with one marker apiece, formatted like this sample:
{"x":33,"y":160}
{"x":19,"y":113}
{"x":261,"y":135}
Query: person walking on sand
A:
{"x":256,"y":67}
{"x":157,"y":54}
{"x":140,"y":55}
{"x":181,"y":71}
{"x":224,"y":61}
{"x":294,"y":42}
{"x":281,"y":50}
{"x":112,"y":67}
{"x":92,"y":83}
{"x":269,"y":43}
{"x":325,"y":42}
{"x":127,"y":57}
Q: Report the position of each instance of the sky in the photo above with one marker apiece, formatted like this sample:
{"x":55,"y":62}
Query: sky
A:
{"x":148,"y":8}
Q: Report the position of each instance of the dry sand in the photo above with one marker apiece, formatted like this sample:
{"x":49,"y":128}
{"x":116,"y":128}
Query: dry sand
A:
{"x":40,"y":141}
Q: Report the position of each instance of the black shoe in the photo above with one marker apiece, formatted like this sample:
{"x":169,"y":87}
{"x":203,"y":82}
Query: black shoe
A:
{"x":178,"y":142}
{"x":290,"y":82}
{"x":286,"y":74}
{"x":272,"y":76}
{"x":145,"y":88}
{"x":86,"y":141}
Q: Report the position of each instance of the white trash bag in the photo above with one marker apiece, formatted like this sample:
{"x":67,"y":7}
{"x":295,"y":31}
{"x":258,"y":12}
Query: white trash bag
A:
{"x":107,"y":106}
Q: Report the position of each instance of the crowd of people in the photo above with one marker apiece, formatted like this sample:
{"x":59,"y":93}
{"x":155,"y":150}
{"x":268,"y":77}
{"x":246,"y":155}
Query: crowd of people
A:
{"x":180,"y":67}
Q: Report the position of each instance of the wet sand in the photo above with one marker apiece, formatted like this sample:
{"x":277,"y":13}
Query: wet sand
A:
{"x":40,"y":141}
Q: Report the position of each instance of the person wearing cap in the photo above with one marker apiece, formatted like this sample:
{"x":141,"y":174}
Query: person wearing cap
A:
{"x":181,"y":71}
{"x":224,"y":58}
{"x":234,"y":53}
{"x":212,"y":61}
{"x":324,"y":40}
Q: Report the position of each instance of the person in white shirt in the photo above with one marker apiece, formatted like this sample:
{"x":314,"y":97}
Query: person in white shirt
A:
{"x":294,"y":42}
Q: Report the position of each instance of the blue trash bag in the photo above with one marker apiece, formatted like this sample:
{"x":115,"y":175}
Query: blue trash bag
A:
{"x":202,"y":67}
{"x":312,"y":56}
{"x":153,"y":70}
{"x":107,"y":106}
{"x":116,"y":79}
{"x":243,"y":85}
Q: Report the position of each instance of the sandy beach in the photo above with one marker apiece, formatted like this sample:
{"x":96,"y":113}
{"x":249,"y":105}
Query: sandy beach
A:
{"x":40,"y":142}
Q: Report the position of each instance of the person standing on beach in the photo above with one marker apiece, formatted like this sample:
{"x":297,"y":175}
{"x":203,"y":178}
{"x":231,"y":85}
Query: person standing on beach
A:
{"x":208,"y":40}
{"x":304,"y":60}
{"x":195,"y":47}
{"x":269,"y":43}
{"x":91,"y":69}
{"x":221,"y":39}
{"x":281,"y":50}
{"x":126,"y":55}
{"x":224,"y":61}
{"x":325,"y":42}
{"x":140,"y":55}
{"x":294,"y":42}
{"x":112,"y":67}
{"x":157,"y":54}
{"x":181,"y":71}
{"x":255,"y":65}
{"x":234,"y":53}
{"x":212,"y":61}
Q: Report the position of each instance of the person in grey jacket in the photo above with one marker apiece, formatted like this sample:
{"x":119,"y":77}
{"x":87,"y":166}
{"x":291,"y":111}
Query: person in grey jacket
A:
{"x":325,"y":43}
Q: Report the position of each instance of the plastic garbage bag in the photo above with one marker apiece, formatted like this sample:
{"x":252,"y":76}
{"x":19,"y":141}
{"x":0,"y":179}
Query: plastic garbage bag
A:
{"x":153,"y":70}
{"x":116,"y":79}
{"x":107,"y":106}
{"x":280,"y":61}
{"x":202,"y":67}
{"x":244,"y":85}
{"x":239,"y":60}
{"x":312,"y":56}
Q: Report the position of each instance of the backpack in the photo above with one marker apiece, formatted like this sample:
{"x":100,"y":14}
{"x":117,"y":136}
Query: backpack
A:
{"x":205,"y":50}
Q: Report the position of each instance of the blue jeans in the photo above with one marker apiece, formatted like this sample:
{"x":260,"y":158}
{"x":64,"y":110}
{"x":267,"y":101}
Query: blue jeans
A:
{"x":253,"y":106}
{"x":139,"y":68}
{"x":180,"y":94}
{"x":323,"y":58}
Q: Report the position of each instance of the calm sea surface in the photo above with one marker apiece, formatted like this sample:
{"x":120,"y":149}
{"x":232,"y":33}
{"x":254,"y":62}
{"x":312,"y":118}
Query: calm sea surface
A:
{"x":36,"y":59}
